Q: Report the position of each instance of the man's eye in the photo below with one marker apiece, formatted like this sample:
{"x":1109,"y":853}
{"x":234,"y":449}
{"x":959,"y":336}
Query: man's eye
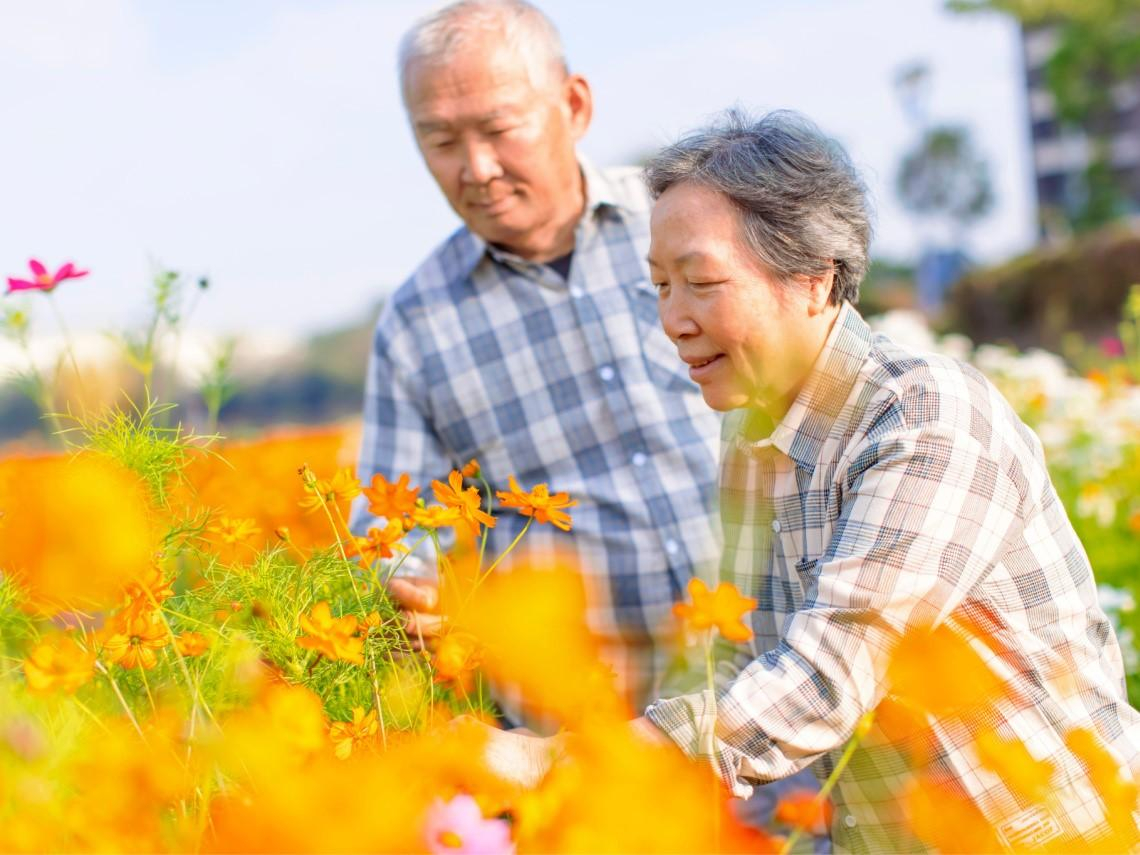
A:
{"x":445,"y":142}
{"x":660,"y":285}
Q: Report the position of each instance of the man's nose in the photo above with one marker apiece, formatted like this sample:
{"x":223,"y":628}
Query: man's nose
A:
{"x":480,"y":163}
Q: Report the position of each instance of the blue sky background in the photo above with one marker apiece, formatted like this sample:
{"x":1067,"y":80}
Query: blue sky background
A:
{"x":262,"y":142}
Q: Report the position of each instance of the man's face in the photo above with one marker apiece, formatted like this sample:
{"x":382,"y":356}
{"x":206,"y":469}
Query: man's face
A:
{"x":745,"y":336}
{"x":499,"y":143}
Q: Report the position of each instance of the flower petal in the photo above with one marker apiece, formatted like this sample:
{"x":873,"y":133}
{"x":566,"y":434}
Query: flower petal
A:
{"x":37,"y":268}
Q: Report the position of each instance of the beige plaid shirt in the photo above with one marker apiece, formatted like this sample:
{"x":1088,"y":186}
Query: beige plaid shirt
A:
{"x":901,"y":490}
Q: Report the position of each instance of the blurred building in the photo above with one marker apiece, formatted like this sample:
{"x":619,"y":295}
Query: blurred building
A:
{"x":1062,"y":155}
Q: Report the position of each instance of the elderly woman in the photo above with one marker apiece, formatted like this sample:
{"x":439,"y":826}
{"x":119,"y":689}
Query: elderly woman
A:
{"x":869,"y":491}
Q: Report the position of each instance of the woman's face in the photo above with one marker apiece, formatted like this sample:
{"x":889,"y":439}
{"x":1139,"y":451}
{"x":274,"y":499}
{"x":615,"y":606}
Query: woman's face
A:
{"x":748,"y":339}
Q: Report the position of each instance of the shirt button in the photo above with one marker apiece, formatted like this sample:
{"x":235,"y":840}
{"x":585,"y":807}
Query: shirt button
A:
{"x":671,"y":546}
{"x":638,"y":459}
{"x":849,"y":821}
{"x":606,"y":372}
{"x":577,"y":292}
{"x":776,"y":526}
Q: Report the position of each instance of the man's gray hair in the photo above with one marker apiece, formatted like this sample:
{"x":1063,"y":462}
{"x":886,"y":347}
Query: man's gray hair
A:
{"x":803,"y":207}
{"x":439,"y":35}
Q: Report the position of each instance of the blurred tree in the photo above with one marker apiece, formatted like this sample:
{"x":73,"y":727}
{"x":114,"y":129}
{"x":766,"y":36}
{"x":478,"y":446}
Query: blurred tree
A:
{"x":945,"y":178}
{"x":1097,"y":50}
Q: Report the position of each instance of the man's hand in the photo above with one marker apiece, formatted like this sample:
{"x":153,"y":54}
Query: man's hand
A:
{"x":419,"y":599}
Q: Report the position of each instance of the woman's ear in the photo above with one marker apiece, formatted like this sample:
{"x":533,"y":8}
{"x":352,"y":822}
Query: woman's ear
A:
{"x":817,"y":288}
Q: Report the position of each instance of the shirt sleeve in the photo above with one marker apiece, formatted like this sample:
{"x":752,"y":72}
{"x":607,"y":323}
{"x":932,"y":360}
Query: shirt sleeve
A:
{"x":924,"y":514}
{"x":398,"y":433}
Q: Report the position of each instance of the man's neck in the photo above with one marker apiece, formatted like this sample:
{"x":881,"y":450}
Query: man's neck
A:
{"x":556,"y":238}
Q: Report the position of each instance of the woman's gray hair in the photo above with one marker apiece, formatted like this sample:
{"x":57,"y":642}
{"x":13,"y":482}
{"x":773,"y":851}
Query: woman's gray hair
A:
{"x":803,"y":207}
{"x":516,"y":23}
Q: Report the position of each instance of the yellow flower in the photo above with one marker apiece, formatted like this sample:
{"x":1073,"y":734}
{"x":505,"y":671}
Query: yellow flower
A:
{"x":1118,"y":793}
{"x":342,"y":487}
{"x":380,"y":542}
{"x":359,"y":732}
{"x":722,"y":608}
{"x":235,"y":531}
{"x":133,"y":637}
{"x":335,"y":638}
{"x":538,"y":503}
{"x":466,"y":501}
{"x":191,"y":644}
{"x":64,"y":665}
{"x":435,"y":516}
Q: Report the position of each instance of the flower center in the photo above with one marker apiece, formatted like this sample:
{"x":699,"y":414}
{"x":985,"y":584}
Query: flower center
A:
{"x":450,"y":840}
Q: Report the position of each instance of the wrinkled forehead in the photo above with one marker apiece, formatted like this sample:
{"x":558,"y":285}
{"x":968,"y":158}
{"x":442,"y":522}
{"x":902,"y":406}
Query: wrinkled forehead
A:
{"x":476,"y":71}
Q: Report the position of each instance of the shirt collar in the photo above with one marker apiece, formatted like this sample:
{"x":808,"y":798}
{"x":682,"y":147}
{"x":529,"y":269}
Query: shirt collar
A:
{"x":803,"y":429}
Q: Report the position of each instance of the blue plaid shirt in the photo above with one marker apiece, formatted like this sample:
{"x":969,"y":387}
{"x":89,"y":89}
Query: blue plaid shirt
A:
{"x":565,"y":381}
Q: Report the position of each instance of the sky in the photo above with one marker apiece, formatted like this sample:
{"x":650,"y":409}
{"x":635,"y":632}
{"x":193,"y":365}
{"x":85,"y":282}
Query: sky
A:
{"x":262,"y":143}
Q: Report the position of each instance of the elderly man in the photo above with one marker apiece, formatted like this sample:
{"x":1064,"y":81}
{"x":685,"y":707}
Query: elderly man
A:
{"x":529,"y":341}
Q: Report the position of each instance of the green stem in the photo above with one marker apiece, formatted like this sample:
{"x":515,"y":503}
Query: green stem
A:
{"x":861,"y":729}
{"x":66,"y":336}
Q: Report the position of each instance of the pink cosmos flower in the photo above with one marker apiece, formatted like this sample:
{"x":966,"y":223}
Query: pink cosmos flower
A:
{"x":1112,"y":347}
{"x":42,"y":280}
{"x":457,"y":827}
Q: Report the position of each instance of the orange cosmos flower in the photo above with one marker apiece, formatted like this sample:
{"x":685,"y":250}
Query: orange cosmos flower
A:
{"x":470,"y":469}
{"x":191,"y":644}
{"x":966,"y":680}
{"x":152,"y":586}
{"x":538,"y":503}
{"x":722,"y":608}
{"x":62,"y":664}
{"x":1011,"y":761}
{"x":335,"y":638}
{"x":232,"y":531}
{"x":1118,"y":793}
{"x":361,"y":731}
{"x":342,"y":487}
{"x":133,"y":637}
{"x":458,"y":654}
{"x":801,"y":809}
{"x":391,"y":501}
{"x":466,"y":501}
{"x":435,"y":516}
{"x":379,"y":542}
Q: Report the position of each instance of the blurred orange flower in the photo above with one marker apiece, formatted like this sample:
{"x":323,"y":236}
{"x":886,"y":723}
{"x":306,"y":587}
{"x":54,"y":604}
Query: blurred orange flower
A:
{"x":722,"y":608}
{"x":456,"y":656}
{"x":335,"y":638}
{"x":349,"y":735}
{"x":966,"y":681}
{"x":342,"y":487}
{"x":466,"y":501}
{"x":74,"y":530}
{"x":131,"y":639}
{"x":1011,"y":761}
{"x":391,"y":501}
{"x":470,"y":469}
{"x":538,"y":503}
{"x":801,"y":809}
{"x":1118,"y":793}
{"x":191,"y":644}
{"x":232,"y":531}
{"x":61,"y":664}
{"x":379,"y":542}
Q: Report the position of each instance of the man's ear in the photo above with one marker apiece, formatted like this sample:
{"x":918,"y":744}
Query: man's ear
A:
{"x":578,"y":101}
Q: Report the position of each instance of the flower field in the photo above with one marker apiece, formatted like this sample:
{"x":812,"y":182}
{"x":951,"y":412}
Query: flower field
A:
{"x":196,"y":655}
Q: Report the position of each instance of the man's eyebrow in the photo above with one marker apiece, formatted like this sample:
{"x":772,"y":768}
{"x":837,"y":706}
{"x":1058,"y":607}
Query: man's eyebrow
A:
{"x":428,"y":126}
